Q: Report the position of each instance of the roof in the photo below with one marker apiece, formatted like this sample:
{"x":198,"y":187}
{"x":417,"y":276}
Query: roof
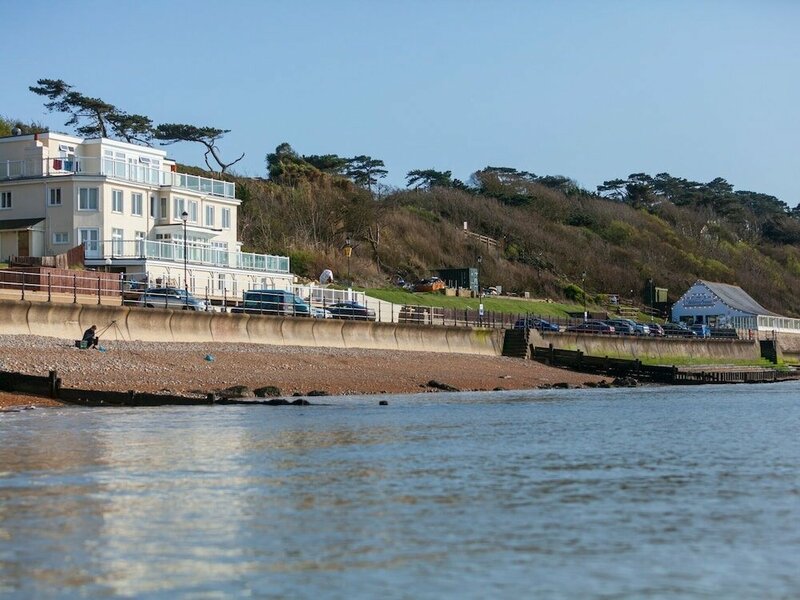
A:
{"x":13,"y":224}
{"x":737,"y":298}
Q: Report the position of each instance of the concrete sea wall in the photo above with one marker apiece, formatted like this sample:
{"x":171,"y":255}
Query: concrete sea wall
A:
{"x":650,"y":347}
{"x":69,"y":321}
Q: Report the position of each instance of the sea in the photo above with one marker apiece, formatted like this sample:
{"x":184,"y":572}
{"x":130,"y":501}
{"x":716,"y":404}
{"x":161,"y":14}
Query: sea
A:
{"x":651,"y":492}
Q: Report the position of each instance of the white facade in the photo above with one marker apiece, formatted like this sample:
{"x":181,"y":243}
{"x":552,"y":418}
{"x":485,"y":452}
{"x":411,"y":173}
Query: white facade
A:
{"x":724,"y":305}
{"x":125,"y":203}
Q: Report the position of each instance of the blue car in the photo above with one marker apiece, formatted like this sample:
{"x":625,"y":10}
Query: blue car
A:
{"x":535,"y":323}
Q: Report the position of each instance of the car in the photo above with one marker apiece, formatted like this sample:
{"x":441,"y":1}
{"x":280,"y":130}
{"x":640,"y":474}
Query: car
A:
{"x":535,"y":323}
{"x":677,"y":330}
{"x":321,"y":313}
{"x":728,"y":333}
{"x":636,"y":328}
{"x":351,"y":310}
{"x":170,"y":297}
{"x":655,"y":329}
{"x":621,"y":327}
{"x":592,"y":326}
{"x":273,"y":302}
{"x":701,"y":330}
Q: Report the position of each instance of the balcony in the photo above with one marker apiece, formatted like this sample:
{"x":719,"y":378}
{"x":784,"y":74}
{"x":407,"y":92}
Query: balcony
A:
{"x":115,"y":169}
{"x":196,"y":254}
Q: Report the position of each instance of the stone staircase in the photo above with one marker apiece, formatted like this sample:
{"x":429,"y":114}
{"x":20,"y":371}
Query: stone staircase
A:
{"x":515,"y":343}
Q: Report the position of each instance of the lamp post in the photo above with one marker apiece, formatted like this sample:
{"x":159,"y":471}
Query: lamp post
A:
{"x":184,"y":218}
{"x":480,"y":260}
{"x":348,"y":250}
{"x":583,"y":289}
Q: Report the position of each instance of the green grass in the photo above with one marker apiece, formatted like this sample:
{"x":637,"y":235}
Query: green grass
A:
{"x":514,"y":306}
{"x":688,"y":361}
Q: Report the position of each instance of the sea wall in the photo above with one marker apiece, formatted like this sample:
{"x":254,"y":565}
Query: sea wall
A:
{"x":650,"y":347}
{"x":69,"y":321}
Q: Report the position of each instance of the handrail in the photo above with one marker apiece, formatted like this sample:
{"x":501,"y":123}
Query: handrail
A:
{"x":115,"y":169}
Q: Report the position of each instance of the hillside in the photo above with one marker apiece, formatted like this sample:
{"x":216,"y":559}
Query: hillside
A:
{"x":550,"y":233}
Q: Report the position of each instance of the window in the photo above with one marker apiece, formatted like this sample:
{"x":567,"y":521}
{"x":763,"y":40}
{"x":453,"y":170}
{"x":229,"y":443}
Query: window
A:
{"x":54,"y":197}
{"x":163,"y":212}
{"x":136,"y":204}
{"x":88,"y":198}
{"x":116,"y":201}
{"x":192,"y":211}
{"x":61,"y":237}
{"x":153,"y":207}
{"x":116,"y":242}
{"x":226,"y":218}
{"x":5,"y":199}
{"x":178,"y":206}
{"x":209,"y":216}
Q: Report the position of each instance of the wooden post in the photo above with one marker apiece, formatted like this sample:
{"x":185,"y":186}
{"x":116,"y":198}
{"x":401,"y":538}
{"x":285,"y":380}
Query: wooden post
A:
{"x":52,"y":379}
{"x":74,"y":289}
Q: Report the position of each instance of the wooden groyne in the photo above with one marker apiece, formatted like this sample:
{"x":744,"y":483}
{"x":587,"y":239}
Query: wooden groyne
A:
{"x":51,"y":387}
{"x":620,"y":367}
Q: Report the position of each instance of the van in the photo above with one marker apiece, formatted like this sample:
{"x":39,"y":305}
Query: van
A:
{"x":273,"y":302}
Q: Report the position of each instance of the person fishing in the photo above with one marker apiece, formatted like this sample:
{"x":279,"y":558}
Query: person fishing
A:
{"x":90,"y":337}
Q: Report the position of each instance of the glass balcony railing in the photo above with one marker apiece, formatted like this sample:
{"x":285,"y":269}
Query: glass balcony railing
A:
{"x":196,"y":254}
{"x":116,"y":169}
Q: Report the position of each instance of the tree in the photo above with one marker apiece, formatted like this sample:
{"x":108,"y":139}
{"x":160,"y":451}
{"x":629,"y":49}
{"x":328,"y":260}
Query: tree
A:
{"x":132,"y":128}
{"x":94,"y":113}
{"x":7,"y":127}
{"x":171,"y":133}
{"x":365,"y":171}
{"x":428,"y":178}
{"x":332,"y":164}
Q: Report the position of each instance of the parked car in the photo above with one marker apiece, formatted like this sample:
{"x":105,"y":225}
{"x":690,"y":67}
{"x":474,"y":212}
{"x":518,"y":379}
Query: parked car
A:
{"x":536,"y":323}
{"x":728,"y":333}
{"x":592,"y":326}
{"x":621,"y":327}
{"x":170,"y":297}
{"x":351,"y":310}
{"x":701,"y":330}
{"x":321,"y":313}
{"x":655,"y":329}
{"x":635,"y":328}
{"x":677,"y":330}
{"x":273,"y":302}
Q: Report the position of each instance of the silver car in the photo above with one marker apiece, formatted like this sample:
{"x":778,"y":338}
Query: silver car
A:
{"x":174,"y":298}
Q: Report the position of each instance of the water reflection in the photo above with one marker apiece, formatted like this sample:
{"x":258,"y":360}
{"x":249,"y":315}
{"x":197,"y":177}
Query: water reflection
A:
{"x":589,"y":494}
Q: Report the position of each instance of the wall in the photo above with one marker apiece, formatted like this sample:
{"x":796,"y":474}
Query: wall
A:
{"x":650,"y":347}
{"x":69,"y":321}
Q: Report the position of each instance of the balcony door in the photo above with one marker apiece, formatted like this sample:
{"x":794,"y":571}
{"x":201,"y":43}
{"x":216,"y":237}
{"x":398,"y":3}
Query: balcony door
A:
{"x":90,"y":238}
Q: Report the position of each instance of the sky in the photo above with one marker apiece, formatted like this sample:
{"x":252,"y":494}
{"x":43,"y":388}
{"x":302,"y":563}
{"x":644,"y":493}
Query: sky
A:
{"x":592,"y":90}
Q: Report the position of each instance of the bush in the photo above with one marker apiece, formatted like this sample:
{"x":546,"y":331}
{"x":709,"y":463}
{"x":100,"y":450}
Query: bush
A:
{"x":301,"y":262}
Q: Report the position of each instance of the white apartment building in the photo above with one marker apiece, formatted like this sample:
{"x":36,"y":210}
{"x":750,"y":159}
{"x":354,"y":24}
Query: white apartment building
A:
{"x":131,"y":210}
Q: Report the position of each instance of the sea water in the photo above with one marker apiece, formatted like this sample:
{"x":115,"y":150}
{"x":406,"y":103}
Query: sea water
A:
{"x":673,"y":492}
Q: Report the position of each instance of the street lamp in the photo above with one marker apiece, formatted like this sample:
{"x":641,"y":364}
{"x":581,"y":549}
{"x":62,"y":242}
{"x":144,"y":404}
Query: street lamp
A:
{"x":583,"y":289}
{"x":480,"y":260}
{"x":184,"y":218}
{"x":348,"y":250}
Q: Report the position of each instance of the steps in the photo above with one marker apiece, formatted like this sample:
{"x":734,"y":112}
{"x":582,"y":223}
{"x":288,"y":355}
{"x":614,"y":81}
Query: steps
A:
{"x":515,"y":343}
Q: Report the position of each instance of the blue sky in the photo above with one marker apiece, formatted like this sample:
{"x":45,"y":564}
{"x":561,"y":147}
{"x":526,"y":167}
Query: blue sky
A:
{"x":588,"y":89}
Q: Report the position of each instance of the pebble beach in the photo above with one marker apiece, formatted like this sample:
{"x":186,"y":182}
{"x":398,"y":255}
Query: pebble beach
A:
{"x":182,"y":368}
